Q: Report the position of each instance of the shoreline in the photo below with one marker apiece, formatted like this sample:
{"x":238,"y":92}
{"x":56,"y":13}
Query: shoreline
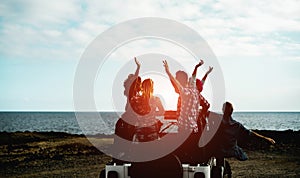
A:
{"x":51,"y":154}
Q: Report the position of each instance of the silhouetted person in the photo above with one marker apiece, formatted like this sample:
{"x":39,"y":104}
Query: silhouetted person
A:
{"x":195,"y":82}
{"x":147,"y":126}
{"x":138,"y":123}
{"x":132,"y":87}
{"x":187,"y":120}
{"x":182,"y":78}
{"x":228,"y":134}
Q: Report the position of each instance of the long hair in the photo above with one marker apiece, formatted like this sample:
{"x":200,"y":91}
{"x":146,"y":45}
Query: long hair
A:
{"x":147,"y":87}
{"x":135,"y":88}
{"x":140,"y":103}
{"x":132,"y":86}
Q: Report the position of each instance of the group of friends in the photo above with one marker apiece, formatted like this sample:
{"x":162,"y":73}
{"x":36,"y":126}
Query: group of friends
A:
{"x":139,"y":122}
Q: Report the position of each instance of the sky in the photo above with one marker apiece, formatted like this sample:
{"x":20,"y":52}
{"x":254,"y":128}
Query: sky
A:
{"x":256,"y":43}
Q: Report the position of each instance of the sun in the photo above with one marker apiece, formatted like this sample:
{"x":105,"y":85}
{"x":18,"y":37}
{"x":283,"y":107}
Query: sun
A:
{"x":164,"y":90}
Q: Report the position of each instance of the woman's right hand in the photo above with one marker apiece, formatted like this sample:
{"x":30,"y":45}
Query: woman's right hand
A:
{"x":166,"y":66}
{"x":137,"y":62}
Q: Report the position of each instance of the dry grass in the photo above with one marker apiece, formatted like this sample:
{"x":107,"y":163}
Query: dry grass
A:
{"x":55,"y":155}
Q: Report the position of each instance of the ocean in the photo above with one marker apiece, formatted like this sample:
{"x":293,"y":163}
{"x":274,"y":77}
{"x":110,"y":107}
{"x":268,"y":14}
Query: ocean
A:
{"x":67,"y":122}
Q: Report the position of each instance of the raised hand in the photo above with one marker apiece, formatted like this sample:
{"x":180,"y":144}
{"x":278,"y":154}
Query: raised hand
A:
{"x":166,"y":66}
{"x":137,"y":62}
{"x":173,"y":80}
{"x":210,"y":69}
{"x":138,"y":66}
{"x":200,"y":63}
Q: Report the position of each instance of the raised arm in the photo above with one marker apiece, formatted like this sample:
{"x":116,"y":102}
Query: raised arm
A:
{"x":138,"y":66}
{"x":196,"y":68}
{"x":206,"y":74}
{"x":173,"y":80}
{"x":264,"y":137}
{"x":192,"y":80}
{"x":175,"y":87}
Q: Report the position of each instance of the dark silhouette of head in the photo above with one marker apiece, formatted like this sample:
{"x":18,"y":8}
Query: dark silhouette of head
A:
{"x":227,"y":109}
{"x":132,"y":85}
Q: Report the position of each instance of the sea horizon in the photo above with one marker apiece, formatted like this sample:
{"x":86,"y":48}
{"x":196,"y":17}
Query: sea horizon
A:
{"x":91,"y":124}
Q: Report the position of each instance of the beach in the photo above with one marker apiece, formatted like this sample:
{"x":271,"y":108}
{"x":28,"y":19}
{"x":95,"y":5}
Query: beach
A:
{"x":58,"y":154}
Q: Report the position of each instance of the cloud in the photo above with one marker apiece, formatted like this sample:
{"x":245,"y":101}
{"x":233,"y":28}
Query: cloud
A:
{"x":38,"y":13}
{"x":263,"y":16}
{"x":238,"y":30}
{"x":250,"y":28}
{"x":229,"y":26}
{"x":37,"y":30}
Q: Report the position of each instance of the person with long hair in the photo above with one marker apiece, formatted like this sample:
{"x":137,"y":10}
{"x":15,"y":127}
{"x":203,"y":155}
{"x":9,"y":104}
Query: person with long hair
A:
{"x":148,"y":126}
{"x":132,"y":88}
{"x":132,"y":85}
{"x":154,"y":101}
{"x":125,"y":126}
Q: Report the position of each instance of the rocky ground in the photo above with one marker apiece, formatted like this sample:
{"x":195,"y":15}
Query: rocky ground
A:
{"x":35,"y":154}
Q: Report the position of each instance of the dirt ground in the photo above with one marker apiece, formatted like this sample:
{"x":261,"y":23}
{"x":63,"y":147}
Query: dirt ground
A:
{"x":32,"y":154}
